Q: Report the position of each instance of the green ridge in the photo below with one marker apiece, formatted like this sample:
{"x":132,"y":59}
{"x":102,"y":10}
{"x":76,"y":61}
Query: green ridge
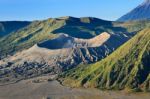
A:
{"x":39,"y":31}
{"x":7,"y":27}
{"x":126,"y":68}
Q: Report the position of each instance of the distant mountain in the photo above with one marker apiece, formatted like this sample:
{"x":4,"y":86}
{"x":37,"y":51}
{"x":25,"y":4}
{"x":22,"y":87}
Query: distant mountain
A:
{"x":7,"y":27}
{"x":126,"y":68}
{"x":57,"y":45}
{"x":38,"y":31}
{"x":139,"y":13}
{"x":59,"y":54}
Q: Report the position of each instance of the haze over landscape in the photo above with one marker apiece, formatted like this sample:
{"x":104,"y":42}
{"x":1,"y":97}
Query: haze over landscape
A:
{"x":75,"y":49}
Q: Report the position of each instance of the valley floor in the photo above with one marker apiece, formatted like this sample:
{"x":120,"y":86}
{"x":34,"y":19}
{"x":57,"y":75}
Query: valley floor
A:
{"x":40,"y":88}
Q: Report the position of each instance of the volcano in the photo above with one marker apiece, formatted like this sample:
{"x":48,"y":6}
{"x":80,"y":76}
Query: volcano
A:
{"x":141,"y":12}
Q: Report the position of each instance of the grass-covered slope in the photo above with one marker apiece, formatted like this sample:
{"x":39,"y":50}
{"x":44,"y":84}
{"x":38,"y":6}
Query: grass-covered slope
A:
{"x":26,"y":37}
{"x":7,"y":27}
{"x":85,"y":27}
{"x":39,"y":31}
{"x":126,"y":68}
{"x":134,"y":26}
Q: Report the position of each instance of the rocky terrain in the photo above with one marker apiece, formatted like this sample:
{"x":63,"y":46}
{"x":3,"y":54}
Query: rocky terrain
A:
{"x":127,"y":68}
{"x":59,"y":54}
{"x":38,"y":31}
{"x":72,"y":58}
{"x":69,"y":45}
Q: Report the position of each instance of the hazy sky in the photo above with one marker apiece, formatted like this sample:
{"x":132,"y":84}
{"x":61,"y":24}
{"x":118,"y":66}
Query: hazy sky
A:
{"x":42,"y":9}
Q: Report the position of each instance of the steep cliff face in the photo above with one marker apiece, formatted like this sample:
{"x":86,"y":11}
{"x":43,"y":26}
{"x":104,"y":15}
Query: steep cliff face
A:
{"x":59,"y":54}
{"x":139,"y":13}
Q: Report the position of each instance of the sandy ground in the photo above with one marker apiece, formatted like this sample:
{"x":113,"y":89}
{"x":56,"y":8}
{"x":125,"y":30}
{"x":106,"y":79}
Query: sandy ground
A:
{"x":31,"y":89}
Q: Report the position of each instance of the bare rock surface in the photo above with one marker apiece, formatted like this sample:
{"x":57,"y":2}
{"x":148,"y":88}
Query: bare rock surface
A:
{"x":59,"y":54}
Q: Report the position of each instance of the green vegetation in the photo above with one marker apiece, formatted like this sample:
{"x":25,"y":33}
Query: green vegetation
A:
{"x":136,"y":25}
{"x":126,"y":68}
{"x":11,"y":26}
{"x":39,"y":31}
{"x":24,"y":37}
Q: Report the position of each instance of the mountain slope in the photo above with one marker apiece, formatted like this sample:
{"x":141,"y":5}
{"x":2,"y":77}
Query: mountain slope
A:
{"x":139,"y":13}
{"x":7,"y":27}
{"x":39,"y":31}
{"x":135,"y":26}
{"x":59,"y":54}
{"x":127,"y":67}
{"x":85,"y":27}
